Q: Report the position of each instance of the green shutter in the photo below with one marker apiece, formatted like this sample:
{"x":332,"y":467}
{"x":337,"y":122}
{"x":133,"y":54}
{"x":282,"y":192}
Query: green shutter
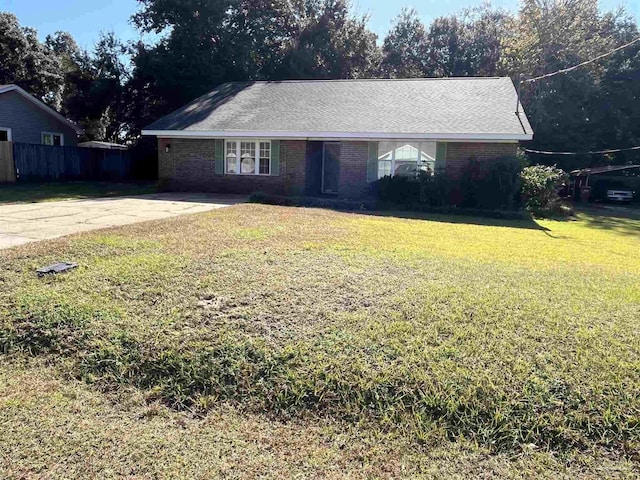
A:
{"x":219,"y":157}
{"x":372,"y":162}
{"x":441,"y":155}
{"x":275,"y":157}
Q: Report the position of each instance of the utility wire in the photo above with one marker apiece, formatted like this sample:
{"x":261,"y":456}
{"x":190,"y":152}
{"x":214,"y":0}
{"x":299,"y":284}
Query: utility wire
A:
{"x":569,"y":69}
{"x":612,"y":150}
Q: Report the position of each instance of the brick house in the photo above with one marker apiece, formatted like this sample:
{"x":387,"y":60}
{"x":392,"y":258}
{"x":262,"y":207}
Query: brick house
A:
{"x":335,"y":137}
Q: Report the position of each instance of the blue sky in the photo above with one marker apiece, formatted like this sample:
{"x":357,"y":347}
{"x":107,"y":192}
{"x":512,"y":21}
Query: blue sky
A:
{"x":85,"y":19}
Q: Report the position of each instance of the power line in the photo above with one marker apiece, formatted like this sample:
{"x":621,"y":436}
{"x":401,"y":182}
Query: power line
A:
{"x":599,"y":152}
{"x":569,"y":69}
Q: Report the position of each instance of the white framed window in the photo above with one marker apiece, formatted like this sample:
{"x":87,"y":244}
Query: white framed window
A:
{"x":5,"y":134}
{"x":248,"y":157}
{"x":53,"y":138}
{"x":406,"y":158}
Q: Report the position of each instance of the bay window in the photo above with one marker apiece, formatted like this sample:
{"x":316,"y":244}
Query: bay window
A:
{"x":248,"y":157}
{"x":406,"y":158}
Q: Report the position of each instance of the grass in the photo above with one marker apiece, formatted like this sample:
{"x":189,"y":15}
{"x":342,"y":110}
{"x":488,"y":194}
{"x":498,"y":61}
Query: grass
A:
{"x":370,"y":346}
{"x":52,"y":191}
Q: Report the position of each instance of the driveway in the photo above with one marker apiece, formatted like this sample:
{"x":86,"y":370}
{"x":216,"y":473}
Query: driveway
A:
{"x":23,"y":223}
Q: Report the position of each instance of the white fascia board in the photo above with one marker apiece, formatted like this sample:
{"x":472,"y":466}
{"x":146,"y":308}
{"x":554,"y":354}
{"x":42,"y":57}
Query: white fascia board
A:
{"x":42,"y":105}
{"x":477,"y":137}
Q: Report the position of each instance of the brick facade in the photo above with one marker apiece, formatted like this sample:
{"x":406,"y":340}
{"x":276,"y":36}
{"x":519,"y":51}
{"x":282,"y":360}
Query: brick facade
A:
{"x":190,"y":165}
{"x":353,"y":169}
{"x":459,"y":154}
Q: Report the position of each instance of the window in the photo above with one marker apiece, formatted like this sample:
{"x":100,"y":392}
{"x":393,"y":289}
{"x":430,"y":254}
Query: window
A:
{"x":5,"y":134}
{"x":248,"y":157}
{"x":232,"y":157}
{"x":265,"y":158}
{"x":406,"y":158}
{"x":52,"y":138}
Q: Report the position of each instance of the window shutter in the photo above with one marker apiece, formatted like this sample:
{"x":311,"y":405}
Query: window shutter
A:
{"x":275,"y":157}
{"x":441,"y":155}
{"x":372,"y":162}
{"x":219,"y":157}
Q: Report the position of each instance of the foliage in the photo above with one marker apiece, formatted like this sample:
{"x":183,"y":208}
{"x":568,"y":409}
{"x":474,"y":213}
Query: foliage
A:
{"x":397,"y":189}
{"x":578,"y":111}
{"x":492,"y":184}
{"x":25,"y":61}
{"x":484,"y":185}
{"x":540,"y":185}
{"x":405,"y":48}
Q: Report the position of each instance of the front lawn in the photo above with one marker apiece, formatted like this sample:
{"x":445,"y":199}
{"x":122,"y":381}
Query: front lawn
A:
{"x":52,"y":191}
{"x":260,"y":340}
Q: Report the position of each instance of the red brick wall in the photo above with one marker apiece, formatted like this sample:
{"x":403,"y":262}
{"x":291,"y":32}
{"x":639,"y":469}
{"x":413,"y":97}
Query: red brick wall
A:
{"x":293,"y":154}
{"x":459,"y":154}
{"x":353,"y":169}
{"x":190,"y":165}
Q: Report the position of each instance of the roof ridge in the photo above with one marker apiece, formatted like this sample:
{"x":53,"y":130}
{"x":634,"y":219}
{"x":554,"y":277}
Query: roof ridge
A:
{"x":353,"y":80}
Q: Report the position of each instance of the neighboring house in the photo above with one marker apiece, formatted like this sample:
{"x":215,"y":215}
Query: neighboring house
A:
{"x":25,"y":119}
{"x":335,"y":137}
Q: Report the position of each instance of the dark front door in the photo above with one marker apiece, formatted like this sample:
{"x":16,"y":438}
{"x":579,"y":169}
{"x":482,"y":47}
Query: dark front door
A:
{"x":330,"y":167}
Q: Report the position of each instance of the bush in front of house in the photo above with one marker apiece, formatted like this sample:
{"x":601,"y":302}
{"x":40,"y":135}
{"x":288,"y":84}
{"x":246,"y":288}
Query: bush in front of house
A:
{"x":483,"y":185}
{"x":397,"y":190}
{"x":540,"y":184}
{"x":494,"y":184}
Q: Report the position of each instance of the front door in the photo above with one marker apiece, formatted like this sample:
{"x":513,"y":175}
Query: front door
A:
{"x":330,"y":167}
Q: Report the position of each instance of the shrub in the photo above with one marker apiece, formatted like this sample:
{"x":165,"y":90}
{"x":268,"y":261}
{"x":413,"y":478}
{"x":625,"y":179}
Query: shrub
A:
{"x":540,"y":185}
{"x":435,"y":190}
{"x":494,"y":184}
{"x":397,"y":189}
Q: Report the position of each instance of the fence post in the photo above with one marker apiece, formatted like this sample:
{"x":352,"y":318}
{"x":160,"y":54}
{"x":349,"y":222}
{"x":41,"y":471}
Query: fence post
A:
{"x":7,"y":165}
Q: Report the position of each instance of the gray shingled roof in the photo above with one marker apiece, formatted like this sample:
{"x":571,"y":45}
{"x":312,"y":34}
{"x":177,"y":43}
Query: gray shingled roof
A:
{"x":448,"y":106}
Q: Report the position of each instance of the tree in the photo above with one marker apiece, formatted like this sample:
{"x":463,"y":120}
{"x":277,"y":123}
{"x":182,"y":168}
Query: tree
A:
{"x":567,"y":110}
{"x":405,"y":48}
{"x":467,"y":45}
{"x":206,"y":43}
{"x":27,"y":62}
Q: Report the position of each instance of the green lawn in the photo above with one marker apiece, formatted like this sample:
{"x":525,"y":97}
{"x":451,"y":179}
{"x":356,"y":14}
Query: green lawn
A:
{"x":52,"y":191}
{"x":289,"y":342}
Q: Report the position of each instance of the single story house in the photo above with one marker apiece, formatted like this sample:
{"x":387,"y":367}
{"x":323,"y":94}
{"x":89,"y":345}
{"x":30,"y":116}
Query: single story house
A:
{"x":25,"y":119}
{"x":335,"y":136}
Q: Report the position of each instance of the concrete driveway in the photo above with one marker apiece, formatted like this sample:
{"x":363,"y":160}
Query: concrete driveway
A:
{"x":23,"y":223}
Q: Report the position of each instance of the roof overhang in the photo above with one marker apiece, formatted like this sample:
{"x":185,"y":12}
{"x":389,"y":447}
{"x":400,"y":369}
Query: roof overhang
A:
{"x":459,"y":137}
{"x":42,"y":105}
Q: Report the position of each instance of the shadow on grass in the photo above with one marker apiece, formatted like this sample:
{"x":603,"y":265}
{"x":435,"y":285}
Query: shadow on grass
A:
{"x":620,"y":219}
{"x":526,"y":222}
{"x":51,"y":191}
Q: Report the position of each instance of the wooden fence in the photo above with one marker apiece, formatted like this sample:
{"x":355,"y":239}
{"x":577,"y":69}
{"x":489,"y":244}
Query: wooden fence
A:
{"x":46,"y":163}
{"x":7,"y":167}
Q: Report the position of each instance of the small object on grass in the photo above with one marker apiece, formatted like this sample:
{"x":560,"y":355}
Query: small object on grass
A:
{"x":56,"y":268}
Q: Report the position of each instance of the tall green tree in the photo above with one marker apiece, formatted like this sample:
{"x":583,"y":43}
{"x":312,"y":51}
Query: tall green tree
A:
{"x":564,"y":109}
{"x":26,"y":61}
{"x":205,"y":43}
{"x":405,"y":48}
